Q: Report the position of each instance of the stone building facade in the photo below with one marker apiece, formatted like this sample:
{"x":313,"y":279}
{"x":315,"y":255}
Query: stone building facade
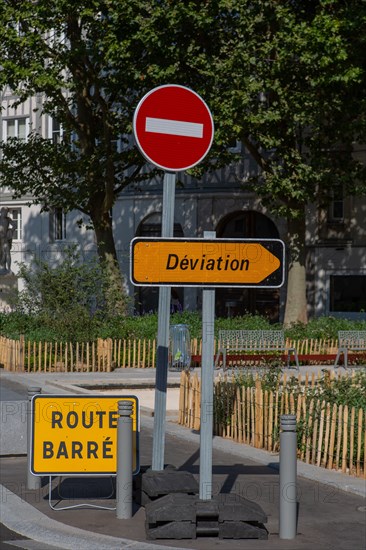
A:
{"x":336,"y":237}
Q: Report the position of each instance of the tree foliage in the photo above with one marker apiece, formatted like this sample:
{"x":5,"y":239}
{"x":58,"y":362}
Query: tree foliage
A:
{"x":65,"y":51}
{"x":62,"y":50}
{"x":287,"y":79}
{"x":69,"y":299}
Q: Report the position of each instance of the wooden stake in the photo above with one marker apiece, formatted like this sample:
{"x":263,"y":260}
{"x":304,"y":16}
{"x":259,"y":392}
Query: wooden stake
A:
{"x":326,"y":438}
{"x":252,"y":410}
{"x":321,"y":430}
{"x":332,"y":436}
{"x":39,"y":356}
{"x":248,"y":420}
{"x":124,"y":353}
{"x":239,"y":401}
{"x":345,"y":438}
{"x":315,"y":433}
{"x":308,"y":439}
{"x":359,"y":442}
{"x":265,"y":418}
{"x":45,"y":358}
{"x":50,"y":358}
{"x":270,"y":421}
{"x":339,"y":435}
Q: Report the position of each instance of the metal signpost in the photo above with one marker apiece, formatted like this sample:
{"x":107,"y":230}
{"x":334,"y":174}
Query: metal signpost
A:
{"x":209,"y":263}
{"x":173,"y":128}
{"x":163,"y":334}
{"x":207,"y":382}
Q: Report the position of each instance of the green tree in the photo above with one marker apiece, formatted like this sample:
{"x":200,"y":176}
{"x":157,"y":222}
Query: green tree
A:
{"x":292,"y":89}
{"x":285,"y":78}
{"x":63,"y":52}
{"x":90,"y":62}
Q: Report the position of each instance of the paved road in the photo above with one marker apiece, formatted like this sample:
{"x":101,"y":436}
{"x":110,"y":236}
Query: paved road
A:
{"x":331,"y":514}
{"x":12,"y":391}
{"x":329,"y":518}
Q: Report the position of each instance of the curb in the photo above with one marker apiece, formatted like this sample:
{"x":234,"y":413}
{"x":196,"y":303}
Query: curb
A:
{"x":21,"y":517}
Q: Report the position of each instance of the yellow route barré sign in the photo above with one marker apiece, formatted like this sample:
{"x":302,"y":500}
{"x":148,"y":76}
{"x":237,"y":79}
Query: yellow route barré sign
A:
{"x":77,"y":434}
{"x":210,"y":262}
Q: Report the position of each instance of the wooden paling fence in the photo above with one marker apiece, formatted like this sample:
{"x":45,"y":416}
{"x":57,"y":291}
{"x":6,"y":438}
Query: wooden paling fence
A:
{"x":107,"y":354}
{"x":99,"y":356}
{"x":314,"y":346}
{"x":329,"y":435}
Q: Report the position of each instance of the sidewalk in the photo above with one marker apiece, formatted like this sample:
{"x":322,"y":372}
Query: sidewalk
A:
{"x":331,"y":505}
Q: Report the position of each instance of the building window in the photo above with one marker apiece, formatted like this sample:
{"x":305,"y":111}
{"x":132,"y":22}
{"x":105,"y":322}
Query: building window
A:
{"x":16,"y":215}
{"x":55,"y":131}
{"x":16,"y":128}
{"x":347,"y":293}
{"x":234,"y":146}
{"x":59,"y":224}
{"x":336,"y":207}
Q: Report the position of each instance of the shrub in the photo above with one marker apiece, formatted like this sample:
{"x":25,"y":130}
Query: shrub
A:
{"x":323,"y":327}
{"x":62,"y":302}
{"x":78,"y":312}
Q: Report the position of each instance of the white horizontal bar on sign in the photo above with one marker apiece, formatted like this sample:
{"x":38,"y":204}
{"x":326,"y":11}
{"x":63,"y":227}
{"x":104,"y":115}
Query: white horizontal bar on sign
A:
{"x":174,"y":127}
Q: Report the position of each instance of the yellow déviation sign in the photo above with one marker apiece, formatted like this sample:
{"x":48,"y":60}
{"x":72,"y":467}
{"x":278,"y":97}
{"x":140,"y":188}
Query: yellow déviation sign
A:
{"x":216,"y":262}
{"x":78,"y":434}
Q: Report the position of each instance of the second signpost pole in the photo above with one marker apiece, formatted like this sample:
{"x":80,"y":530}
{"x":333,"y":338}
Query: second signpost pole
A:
{"x":163,"y":332}
{"x":208,"y":329}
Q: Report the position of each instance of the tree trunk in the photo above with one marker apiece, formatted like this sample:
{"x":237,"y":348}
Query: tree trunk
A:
{"x":115,"y":294}
{"x":296,"y":303}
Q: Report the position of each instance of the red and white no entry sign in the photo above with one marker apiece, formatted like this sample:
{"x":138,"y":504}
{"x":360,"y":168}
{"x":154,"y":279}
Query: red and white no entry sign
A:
{"x":173,"y":127}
